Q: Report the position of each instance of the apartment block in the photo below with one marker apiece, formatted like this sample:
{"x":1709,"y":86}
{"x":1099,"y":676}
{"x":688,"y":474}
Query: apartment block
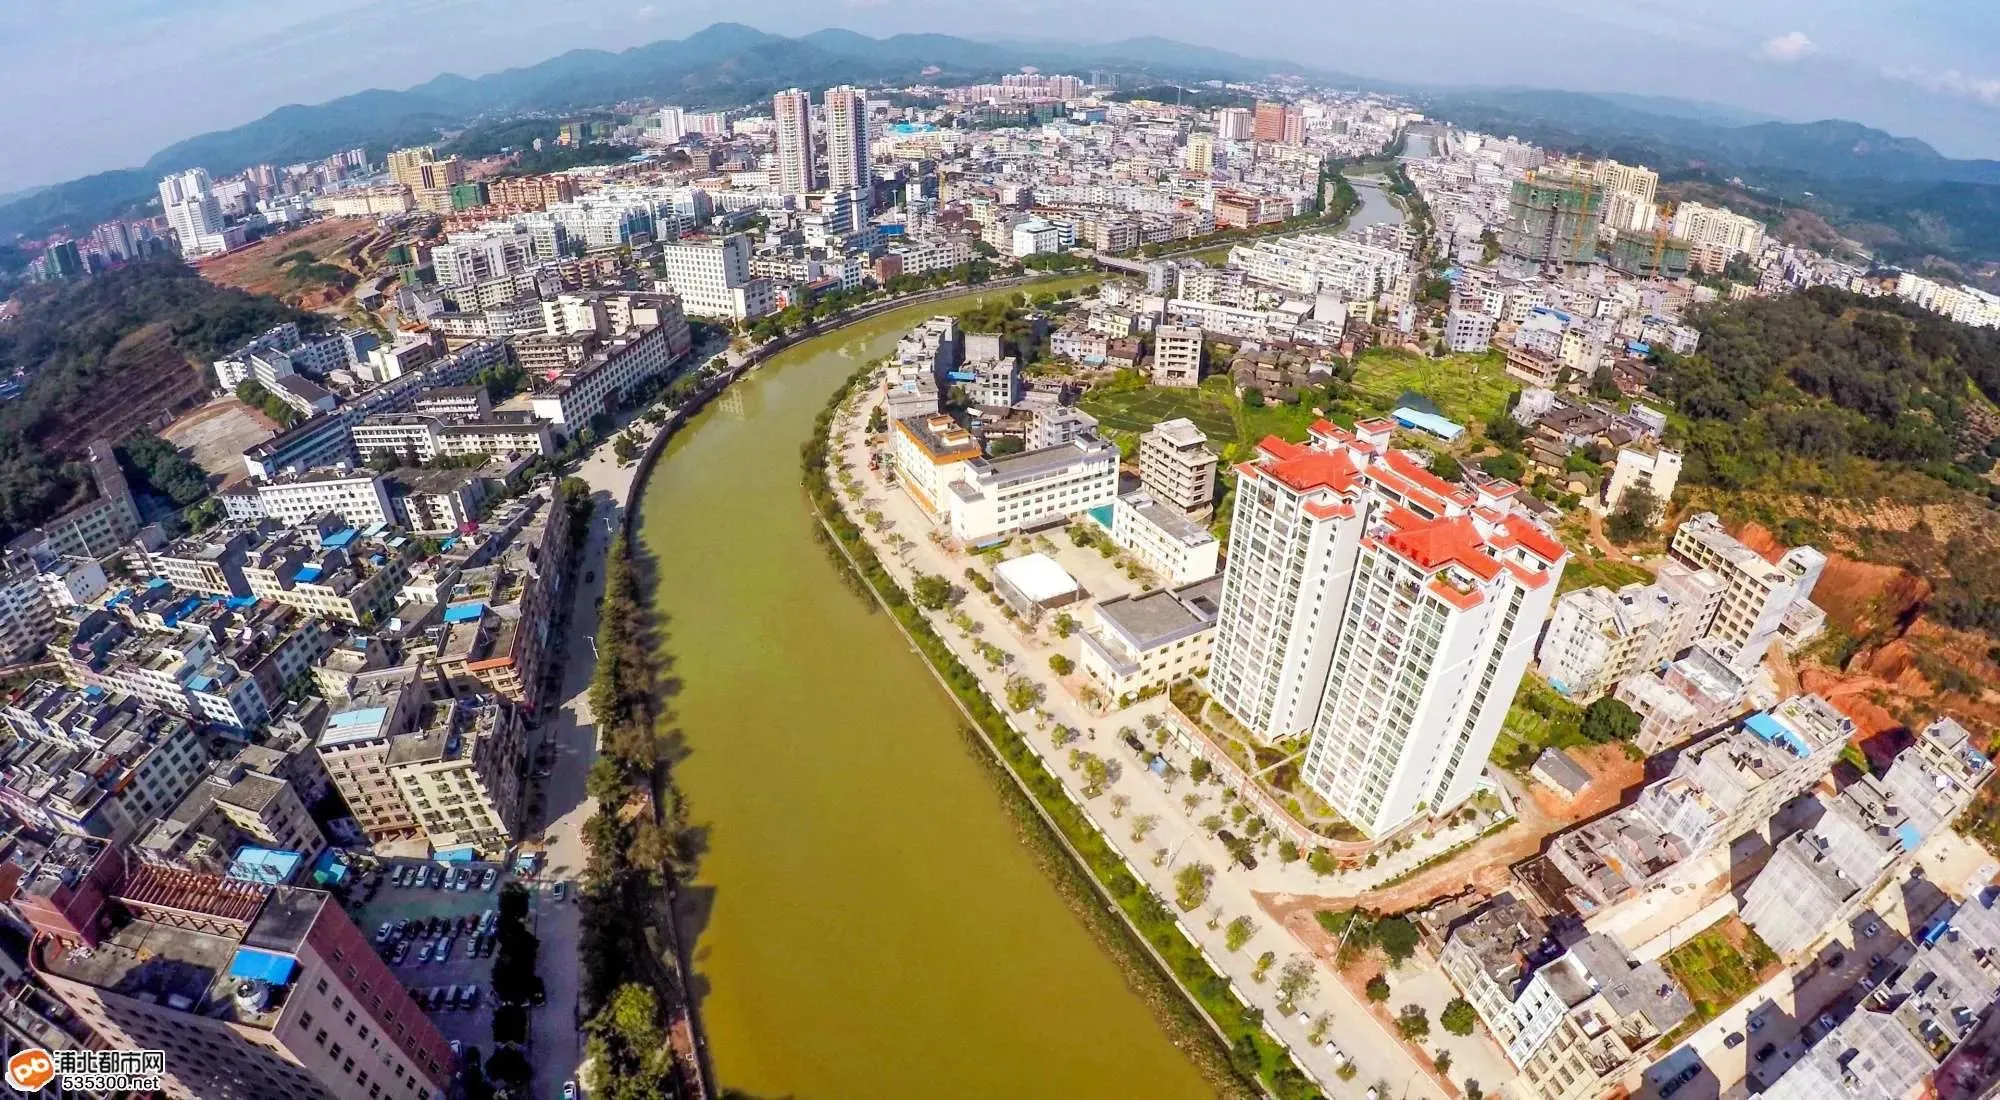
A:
{"x":1597,"y":637}
{"x":1163,"y":539}
{"x":462,"y":772}
{"x":27,"y":621}
{"x":1177,"y":467}
{"x":356,"y":742}
{"x":337,"y":574}
{"x":1696,"y":691}
{"x":572,"y":400}
{"x":92,"y":763}
{"x":1656,"y":473}
{"x":1574,"y":1025}
{"x":360,"y":497}
{"x":931,"y":452}
{"x":712,"y":278}
{"x":1146,"y":643}
{"x":1389,"y":613}
{"x":1176,"y":356}
{"x":98,"y":528}
{"x":1679,"y":832}
{"x":233,"y":806}
{"x":427,"y":437}
{"x":256,"y":991}
{"x":1759,"y":592}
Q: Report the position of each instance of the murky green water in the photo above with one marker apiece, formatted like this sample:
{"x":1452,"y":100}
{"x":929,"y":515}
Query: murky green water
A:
{"x":877,"y":929}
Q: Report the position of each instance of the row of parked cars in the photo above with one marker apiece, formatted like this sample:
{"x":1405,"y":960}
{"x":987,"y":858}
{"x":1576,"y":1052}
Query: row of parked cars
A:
{"x":446,"y":998}
{"x":433,"y":940}
{"x":437,"y":877}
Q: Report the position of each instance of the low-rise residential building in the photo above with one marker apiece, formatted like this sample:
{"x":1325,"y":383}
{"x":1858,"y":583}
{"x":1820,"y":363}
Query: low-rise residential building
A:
{"x":345,"y":576}
{"x":1759,"y":592}
{"x":27,"y":622}
{"x":931,"y":452}
{"x":1467,"y":331}
{"x":576,"y":397}
{"x":355,"y":746}
{"x":1136,"y":645}
{"x":358,"y":496}
{"x":1163,"y":539}
{"x":1597,"y":637}
{"x":1176,"y":356}
{"x":995,"y":496}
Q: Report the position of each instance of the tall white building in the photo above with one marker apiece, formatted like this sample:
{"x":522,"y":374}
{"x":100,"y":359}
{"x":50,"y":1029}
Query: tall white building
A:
{"x":1716,"y":234}
{"x":1629,"y":190}
{"x":847,"y":141}
{"x":1383,"y":610}
{"x":793,"y":110}
{"x":189,"y":202}
{"x":713,"y":278}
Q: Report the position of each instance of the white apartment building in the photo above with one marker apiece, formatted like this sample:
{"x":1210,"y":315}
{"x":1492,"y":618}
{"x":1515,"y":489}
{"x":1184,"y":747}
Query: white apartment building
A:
{"x":189,"y":203}
{"x":72,"y":582}
{"x":582,"y":392}
{"x":1629,"y":195}
{"x":1147,"y":642}
{"x":1597,"y":637}
{"x":847,"y":141}
{"x":797,"y":174}
{"x":26,"y":618}
{"x":1164,"y":539}
{"x":1716,"y":235}
{"x":1316,"y":263}
{"x":424,"y":437}
{"x":713,"y":278}
{"x":1385,"y":611}
{"x":1657,"y":473}
{"x":1468,"y":331}
{"x":995,"y":496}
{"x":495,"y":249}
{"x":1759,"y":593}
{"x":1176,"y":356}
{"x":358,"y":496}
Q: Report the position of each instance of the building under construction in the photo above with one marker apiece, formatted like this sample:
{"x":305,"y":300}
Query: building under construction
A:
{"x":1648,"y":255}
{"x":1553,"y":219}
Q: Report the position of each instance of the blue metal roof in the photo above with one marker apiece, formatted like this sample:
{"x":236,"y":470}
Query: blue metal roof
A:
{"x":464,"y":853}
{"x":1427,"y":422}
{"x":270,"y":866}
{"x":308,"y":574}
{"x":1770,"y":729}
{"x":464,"y":612}
{"x":262,"y":966}
{"x":1908,"y":836}
{"x":340,"y":538}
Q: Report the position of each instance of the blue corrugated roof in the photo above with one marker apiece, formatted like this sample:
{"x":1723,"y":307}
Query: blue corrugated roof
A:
{"x":464,"y":853}
{"x":262,"y":966}
{"x":340,"y":538}
{"x":464,"y":612}
{"x":270,"y":866}
{"x":308,"y":574}
{"x":1770,"y":729}
{"x":1427,"y":422}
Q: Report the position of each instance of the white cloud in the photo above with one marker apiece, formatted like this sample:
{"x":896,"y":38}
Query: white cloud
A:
{"x":1788,"y":47}
{"x":646,"y":11}
{"x":1955,"y":83}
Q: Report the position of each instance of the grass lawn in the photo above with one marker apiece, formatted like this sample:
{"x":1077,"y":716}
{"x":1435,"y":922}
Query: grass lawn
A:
{"x":1137,"y":410}
{"x":1721,"y":965}
{"x":1584,"y":571}
{"x":1537,"y":719}
{"x":1467,"y":388}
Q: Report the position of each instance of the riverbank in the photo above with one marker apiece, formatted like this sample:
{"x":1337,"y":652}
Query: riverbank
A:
{"x":860,"y":924}
{"x":1049,"y":824}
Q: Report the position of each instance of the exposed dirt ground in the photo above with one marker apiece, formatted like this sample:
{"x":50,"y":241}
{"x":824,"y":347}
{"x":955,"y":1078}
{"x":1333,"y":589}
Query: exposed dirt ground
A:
{"x":216,"y":435}
{"x":350,"y":244}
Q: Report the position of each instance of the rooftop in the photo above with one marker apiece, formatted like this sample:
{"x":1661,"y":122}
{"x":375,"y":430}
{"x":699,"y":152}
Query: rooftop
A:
{"x":1156,"y":618}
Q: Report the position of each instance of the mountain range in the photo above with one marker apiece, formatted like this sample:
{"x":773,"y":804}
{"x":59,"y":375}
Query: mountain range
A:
{"x":1898,"y":194}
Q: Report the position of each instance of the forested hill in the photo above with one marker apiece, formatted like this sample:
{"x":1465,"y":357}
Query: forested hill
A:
{"x":1826,"y":375}
{"x":104,"y":356}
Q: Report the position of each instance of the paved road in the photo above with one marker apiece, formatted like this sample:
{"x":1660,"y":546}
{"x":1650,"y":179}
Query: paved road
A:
{"x":568,"y":728}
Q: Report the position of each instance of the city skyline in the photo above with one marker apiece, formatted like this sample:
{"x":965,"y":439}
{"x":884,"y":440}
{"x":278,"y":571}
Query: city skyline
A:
{"x":1932,"y":72}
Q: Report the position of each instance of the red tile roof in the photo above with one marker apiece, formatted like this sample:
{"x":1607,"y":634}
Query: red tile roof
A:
{"x":1435,"y":543}
{"x":1304,"y":468}
{"x":1533,"y":539}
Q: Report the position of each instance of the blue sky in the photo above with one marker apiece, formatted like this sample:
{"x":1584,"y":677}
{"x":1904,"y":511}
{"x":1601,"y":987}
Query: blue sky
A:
{"x":97,"y":84}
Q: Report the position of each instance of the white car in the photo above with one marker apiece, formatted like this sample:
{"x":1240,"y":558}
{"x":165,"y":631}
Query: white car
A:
{"x":569,"y":1090}
{"x":1338,"y":1055}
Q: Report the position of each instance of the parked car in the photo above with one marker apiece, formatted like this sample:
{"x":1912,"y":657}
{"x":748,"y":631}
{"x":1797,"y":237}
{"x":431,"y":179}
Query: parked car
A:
{"x":458,"y":879}
{"x":1733,"y":1040}
{"x":444,"y":949}
{"x":1132,"y":742}
{"x":1871,"y":930}
{"x":1756,"y":1023}
{"x":402,"y":954}
{"x":424,"y":954}
{"x":437,"y":877}
{"x":489,"y":880}
{"x":561,"y":888}
{"x":468,"y":997}
{"x":569,"y":1091}
{"x":383,"y":933}
{"x":590,"y":577}
{"x":1766,"y":1051}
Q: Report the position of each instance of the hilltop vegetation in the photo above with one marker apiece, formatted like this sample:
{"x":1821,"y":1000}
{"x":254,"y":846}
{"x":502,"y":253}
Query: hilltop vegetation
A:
{"x":104,"y":356}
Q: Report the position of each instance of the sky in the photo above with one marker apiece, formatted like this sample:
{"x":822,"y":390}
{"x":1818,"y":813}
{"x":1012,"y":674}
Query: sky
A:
{"x":91,"y":85}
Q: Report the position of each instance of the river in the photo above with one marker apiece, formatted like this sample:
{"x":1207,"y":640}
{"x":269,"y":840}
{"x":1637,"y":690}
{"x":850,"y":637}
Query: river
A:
{"x":877,"y":928}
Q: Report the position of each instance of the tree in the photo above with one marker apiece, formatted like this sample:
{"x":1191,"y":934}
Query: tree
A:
{"x":1634,"y":517}
{"x":1006,"y":445}
{"x":1412,"y":1024}
{"x":1458,"y":1017}
{"x":1061,"y":665}
{"x":1253,"y":398}
{"x":931,"y":591}
{"x":1604,"y":384}
{"x":1191,"y":886}
{"x":508,"y":1068}
{"x":1446,"y":467}
{"x":1288,"y":852}
{"x":1065,"y":625}
{"x":605,"y":783}
{"x":1506,"y":465}
{"x":1238,"y":933}
{"x":624,"y":448}
{"x":1022,"y":693}
{"x":1213,"y":823}
{"x":1378,"y":989}
{"x":1142,"y":825}
{"x":1506,"y":432}
{"x":1397,"y":938}
{"x":1296,"y":980}
{"x":510,"y":1024}
{"x":1119,"y":804}
{"x":878,"y":421}
{"x":1607,"y":720}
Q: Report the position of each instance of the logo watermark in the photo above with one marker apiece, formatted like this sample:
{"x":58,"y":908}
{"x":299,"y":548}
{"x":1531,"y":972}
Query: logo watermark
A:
{"x":35,"y":1069}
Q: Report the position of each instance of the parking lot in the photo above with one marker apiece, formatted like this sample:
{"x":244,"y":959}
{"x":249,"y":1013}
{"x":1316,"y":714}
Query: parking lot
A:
{"x":446,"y":910}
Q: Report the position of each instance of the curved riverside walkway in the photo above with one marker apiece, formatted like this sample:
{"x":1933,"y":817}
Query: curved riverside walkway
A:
{"x":869,"y":923}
